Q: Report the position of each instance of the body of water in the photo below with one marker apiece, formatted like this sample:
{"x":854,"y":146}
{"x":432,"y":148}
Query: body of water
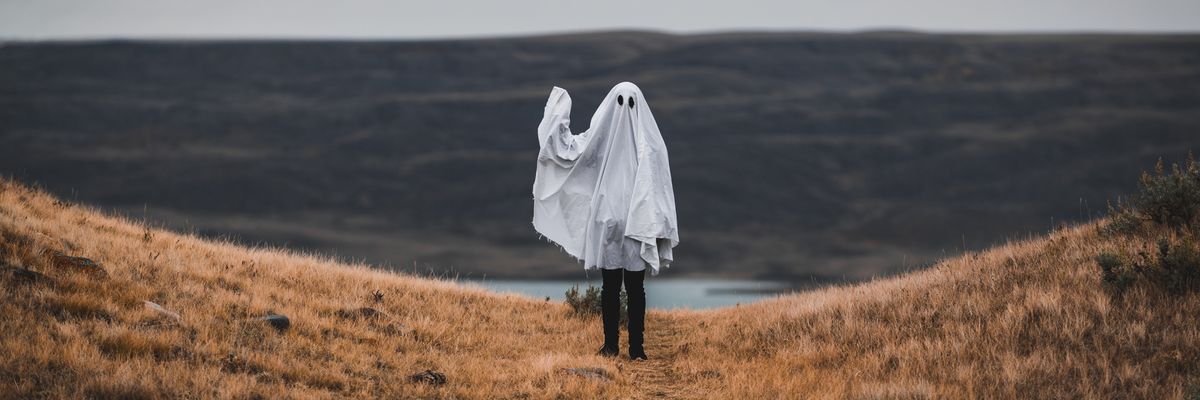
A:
{"x":660,"y":293}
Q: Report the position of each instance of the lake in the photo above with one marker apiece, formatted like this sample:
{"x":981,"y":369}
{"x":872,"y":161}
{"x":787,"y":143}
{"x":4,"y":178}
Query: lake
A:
{"x":660,"y":293}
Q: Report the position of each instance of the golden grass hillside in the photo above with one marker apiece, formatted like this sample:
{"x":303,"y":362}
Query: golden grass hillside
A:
{"x":1028,"y":319}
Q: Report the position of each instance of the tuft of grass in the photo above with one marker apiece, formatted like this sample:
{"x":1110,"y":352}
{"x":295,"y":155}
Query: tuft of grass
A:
{"x":127,"y":343}
{"x":80,"y":305}
{"x":114,"y":389}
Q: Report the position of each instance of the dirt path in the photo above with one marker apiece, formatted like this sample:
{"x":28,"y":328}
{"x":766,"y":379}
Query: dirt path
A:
{"x":658,"y":377}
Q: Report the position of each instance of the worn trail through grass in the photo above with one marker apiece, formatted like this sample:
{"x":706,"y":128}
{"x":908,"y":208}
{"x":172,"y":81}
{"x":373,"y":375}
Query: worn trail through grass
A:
{"x":658,"y":376}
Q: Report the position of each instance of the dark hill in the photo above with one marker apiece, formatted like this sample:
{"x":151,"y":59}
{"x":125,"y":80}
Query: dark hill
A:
{"x":795,"y":155}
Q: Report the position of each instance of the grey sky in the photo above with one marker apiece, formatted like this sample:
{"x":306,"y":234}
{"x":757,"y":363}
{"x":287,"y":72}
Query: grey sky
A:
{"x":57,"y":19}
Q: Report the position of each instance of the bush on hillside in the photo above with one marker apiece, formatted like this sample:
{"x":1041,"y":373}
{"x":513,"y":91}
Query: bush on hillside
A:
{"x":1115,"y":272}
{"x":1171,"y":199}
{"x":589,"y":304}
{"x":1178,"y":266}
{"x":586,"y":304}
{"x":1122,"y":220}
{"x":1174,"y":267}
{"x":1168,"y":200}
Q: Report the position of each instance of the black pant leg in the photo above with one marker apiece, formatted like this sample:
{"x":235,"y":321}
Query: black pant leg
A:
{"x":637,"y":310}
{"x":610,"y":307}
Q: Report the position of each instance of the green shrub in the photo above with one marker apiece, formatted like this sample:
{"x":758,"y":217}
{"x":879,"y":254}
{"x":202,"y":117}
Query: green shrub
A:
{"x":1115,"y":272}
{"x":1167,"y":199}
{"x":1174,"y":267}
{"x":1178,"y":266}
{"x":589,"y":303}
{"x":584,"y":305}
{"x":1192,"y":392}
{"x":1122,"y":221}
{"x":1171,"y":199}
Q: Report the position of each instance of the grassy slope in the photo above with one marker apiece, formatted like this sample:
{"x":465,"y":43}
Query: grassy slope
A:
{"x":1028,"y":318}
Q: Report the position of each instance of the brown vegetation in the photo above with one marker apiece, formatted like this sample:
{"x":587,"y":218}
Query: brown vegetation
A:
{"x":1028,"y":319}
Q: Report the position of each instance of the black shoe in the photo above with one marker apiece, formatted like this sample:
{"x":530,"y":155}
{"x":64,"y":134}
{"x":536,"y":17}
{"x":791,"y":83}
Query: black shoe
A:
{"x":637,"y":355}
{"x":608,"y":351}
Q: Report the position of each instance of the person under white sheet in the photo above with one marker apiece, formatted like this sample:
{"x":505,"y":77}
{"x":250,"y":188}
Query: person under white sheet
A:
{"x":605,"y":196}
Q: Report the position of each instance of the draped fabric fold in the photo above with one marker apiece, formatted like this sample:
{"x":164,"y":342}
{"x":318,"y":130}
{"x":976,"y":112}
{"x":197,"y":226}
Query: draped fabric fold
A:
{"x":605,"y":195}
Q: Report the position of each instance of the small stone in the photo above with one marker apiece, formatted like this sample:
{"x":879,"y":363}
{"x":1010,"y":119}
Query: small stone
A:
{"x":279,"y":322}
{"x":588,"y":372}
{"x":174,"y":316}
{"x":77,"y":264}
{"x":429,"y":377}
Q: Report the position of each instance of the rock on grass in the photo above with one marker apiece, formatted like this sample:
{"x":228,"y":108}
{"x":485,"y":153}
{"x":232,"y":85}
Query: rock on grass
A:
{"x":161,"y":311}
{"x":24,"y":275}
{"x":429,"y":377}
{"x":77,"y":264}
{"x":279,"y":322}
{"x":588,"y":372}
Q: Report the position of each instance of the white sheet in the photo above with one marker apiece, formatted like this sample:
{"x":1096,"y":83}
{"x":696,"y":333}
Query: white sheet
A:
{"x":605,"y":195}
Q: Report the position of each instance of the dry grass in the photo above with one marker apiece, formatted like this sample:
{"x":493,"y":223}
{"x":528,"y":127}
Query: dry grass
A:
{"x":1028,"y":319}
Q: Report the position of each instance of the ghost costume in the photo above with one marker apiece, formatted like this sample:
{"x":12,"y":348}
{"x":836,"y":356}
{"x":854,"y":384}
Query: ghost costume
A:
{"x":605,"y":195}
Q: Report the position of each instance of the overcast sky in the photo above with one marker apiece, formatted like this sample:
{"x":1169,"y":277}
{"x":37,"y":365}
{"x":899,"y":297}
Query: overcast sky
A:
{"x":64,"y":19}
